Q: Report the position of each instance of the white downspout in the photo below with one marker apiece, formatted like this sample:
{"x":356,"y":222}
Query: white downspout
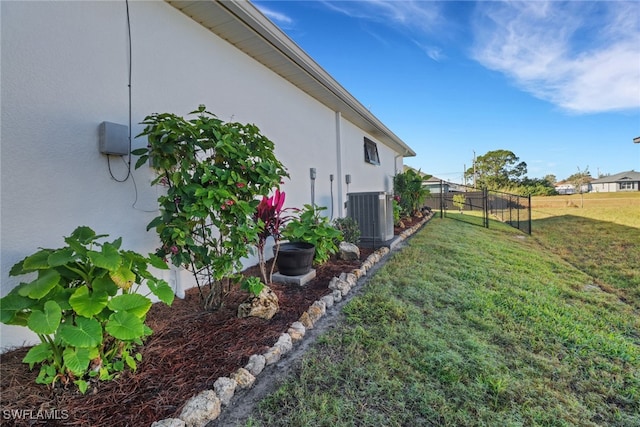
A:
{"x":339,"y":177}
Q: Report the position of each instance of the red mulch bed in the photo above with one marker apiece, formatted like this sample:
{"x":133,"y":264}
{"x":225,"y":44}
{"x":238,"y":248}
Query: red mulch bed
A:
{"x":189,"y":349}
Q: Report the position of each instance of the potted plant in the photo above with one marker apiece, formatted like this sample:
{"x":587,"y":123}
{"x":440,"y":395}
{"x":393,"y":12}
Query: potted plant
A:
{"x":294,"y":258}
{"x":311,"y":239}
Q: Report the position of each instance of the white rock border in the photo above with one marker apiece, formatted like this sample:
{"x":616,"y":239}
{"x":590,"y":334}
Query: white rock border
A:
{"x":207,"y":405}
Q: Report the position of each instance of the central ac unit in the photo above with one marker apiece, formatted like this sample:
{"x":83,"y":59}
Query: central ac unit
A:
{"x":374,"y":213}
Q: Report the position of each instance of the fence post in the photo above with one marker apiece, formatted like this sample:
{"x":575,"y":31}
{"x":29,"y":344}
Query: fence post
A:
{"x":529,"y":208}
{"x":441,"y":199}
{"x":485,"y":207}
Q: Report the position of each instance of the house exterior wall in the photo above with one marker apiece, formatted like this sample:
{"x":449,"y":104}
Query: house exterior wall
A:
{"x":65,"y":70}
{"x":605,"y":187}
{"x":612,"y":187}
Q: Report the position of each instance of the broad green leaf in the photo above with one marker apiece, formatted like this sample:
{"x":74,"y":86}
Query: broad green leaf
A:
{"x":133,"y":303}
{"x":37,"y":261}
{"x":84,"y":235}
{"x":155,"y":222}
{"x":12,"y":304}
{"x":162,"y":290}
{"x":76,"y":360}
{"x":86,"y":334}
{"x":125,"y":326}
{"x":38,"y":354}
{"x":82,"y":386}
{"x":139,"y":151}
{"x":18,"y":268}
{"x":158,"y":262}
{"x":147,"y":331}
{"x":47,"y":280}
{"x":131,"y":362}
{"x":141,"y":160}
{"x":61,"y":296}
{"x":123,"y":277}
{"x":60,"y":257}
{"x":105,"y":284}
{"x":108,"y":258}
{"x":45,"y":322}
{"x":47,"y":375}
{"x":117,"y":243}
{"x":87,"y":303}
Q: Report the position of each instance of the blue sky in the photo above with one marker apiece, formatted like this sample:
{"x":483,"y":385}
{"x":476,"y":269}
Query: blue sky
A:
{"x":557,"y":83}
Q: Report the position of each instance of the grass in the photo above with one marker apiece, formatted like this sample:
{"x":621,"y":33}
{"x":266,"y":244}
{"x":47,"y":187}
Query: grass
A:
{"x":602,"y":239}
{"x":475,"y":327}
{"x":618,"y":208}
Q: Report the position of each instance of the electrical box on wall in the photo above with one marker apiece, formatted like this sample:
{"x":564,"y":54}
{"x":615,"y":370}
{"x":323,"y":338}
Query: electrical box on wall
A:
{"x":114,"y":139}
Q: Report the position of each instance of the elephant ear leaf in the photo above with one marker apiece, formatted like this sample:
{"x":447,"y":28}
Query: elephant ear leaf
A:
{"x":162,"y":290}
{"x":37,"y":354}
{"x":45,"y":322}
{"x":125,"y":326}
{"x":87,"y":303}
{"x":133,"y":303}
{"x":13,"y":304}
{"x":123,"y":278}
{"x":47,"y":280}
{"x":109,"y":258}
{"x":76,"y":360}
{"x":87,"y":333}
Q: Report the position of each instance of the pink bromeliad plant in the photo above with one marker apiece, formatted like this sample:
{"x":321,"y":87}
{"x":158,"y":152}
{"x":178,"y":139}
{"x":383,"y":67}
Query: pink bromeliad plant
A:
{"x":271,"y":218}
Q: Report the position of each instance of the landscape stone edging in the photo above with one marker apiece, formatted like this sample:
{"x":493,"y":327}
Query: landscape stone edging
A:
{"x":207,"y":405}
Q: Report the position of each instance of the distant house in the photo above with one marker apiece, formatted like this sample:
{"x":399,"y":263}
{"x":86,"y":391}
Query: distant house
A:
{"x":565,"y":187}
{"x":69,"y":66}
{"x":624,"y":181}
{"x":436,"y":186}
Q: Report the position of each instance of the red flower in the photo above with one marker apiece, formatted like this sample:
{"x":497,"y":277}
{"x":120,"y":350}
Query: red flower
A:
{"x":240,"y":184}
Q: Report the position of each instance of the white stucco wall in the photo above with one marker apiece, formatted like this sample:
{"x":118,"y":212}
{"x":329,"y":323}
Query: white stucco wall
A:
{"x":65,"y":70}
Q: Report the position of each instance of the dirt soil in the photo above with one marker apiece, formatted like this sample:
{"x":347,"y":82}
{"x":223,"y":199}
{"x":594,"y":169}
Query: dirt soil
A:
{"x":189,"y":349}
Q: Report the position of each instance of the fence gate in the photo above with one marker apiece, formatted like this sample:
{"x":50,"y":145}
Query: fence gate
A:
{"x":464,"y":203}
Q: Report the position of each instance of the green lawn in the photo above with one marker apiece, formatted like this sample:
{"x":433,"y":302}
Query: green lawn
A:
{"x":470,"y":326}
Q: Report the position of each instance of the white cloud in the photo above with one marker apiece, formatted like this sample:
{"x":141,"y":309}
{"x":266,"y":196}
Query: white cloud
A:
{"x":582,"y":56}
{"x":433,"y":52}
{"x":419,"y":15}
{"x":279,"y":18}
{"x":416,"y":19}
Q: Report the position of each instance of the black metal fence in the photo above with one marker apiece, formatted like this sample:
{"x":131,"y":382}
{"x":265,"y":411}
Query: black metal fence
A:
{"x":512,"y":209}
{"x":454,"y":200}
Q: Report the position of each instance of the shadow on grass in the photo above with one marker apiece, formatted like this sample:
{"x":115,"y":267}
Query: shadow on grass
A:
{"x":608,"y":252}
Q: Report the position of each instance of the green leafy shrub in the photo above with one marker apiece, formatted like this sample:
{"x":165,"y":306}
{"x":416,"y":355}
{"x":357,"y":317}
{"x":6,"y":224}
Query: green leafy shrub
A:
{"x":349,"y":228}
{"x":397,"y":210}
{"x":84,"y":307}
{"x":214,"y":173}
{"x":311,"y":227}
{"x":408,"y":186}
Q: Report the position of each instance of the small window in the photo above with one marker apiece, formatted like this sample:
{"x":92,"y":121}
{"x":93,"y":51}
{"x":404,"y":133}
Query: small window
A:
{"x":371,"y":152}
{"x":626,"y":185}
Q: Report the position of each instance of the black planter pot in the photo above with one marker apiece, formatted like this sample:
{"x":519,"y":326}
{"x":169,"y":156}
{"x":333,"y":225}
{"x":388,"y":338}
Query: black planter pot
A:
{"x":294,"y":258}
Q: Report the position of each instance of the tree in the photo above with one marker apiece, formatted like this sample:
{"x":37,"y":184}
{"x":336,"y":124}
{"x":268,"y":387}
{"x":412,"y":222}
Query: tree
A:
{"x":580,"y":180}
{"x":551,"y":179}
{"x":535,"y":187}
{"x":496,"y":169}
{"x":459,"y":200}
